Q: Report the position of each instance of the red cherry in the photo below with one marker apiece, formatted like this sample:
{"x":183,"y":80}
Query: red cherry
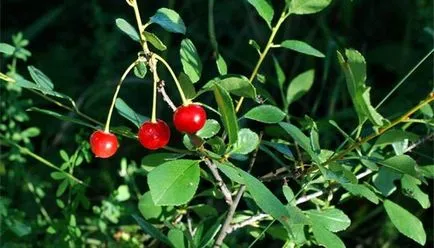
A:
{"x":190,"y":118}
{"x":103,"y":144}
{"x":154,"y":135}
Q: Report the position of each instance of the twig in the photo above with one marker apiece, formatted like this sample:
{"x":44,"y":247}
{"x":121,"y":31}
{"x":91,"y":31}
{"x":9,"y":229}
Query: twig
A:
{"x":189,"y":225}
{"x":227,"y":224}
{"x":166,"y":97}
{"x":250,"y":221}
{"x":419,"y":142}
{"x":225,"y":191}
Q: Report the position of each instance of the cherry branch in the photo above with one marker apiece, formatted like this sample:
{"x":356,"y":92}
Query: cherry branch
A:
{"x":224,"y":189}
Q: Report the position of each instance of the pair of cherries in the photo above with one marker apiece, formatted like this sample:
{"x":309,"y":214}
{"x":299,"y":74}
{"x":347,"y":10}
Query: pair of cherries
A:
{"x":152,"y":135}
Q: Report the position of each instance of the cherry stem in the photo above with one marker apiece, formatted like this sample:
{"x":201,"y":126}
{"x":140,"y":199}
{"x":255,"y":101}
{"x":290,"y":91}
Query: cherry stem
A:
{"x":115,"y":96}
{"x":178,"y":85}
{"x":133,"y":3}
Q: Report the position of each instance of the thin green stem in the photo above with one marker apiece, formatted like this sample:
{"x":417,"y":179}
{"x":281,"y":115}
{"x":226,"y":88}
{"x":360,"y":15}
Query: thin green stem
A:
{"x":26,"y":151}
{"x":133,"y":3}
{"x":115,"y":96}
{"x":405,"y":78}
{"x":269,"y":45}
{"x":401,"y":119}
{"x":154,"y":95}
{"x":178,"y":85}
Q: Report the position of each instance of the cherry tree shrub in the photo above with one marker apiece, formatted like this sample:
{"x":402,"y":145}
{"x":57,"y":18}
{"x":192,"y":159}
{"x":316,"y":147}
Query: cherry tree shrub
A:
{"x":208,"y":188}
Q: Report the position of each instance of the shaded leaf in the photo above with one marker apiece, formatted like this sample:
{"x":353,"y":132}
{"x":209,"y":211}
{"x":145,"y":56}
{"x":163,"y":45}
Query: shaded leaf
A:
{"x":128,"y":29}
{"x":151,"y":230}
{"x":154,"y":40}
{"x":128,"y":113}
{"x":301,"y":139}
{"x":302,"y":47}
{"x":246,"y":143}
{"x":403,"y":164}
{"x":187,"y":86}
{"x":6,"y":49}
{"x":190,"y":60}
{"x":61,"y":117}
{"x":410,"y":188}
{"x":169,"y":20}
{"x":326,"y":238}
{"x":147,"y":207}
{"x":299,"y":86}
{"x":361,"y":190}
{"x":227,"y":111}
{"x":176,"y":237}
{"x":264,"y":9}
{"x":235,"y":84}
{"x":266,"y":114}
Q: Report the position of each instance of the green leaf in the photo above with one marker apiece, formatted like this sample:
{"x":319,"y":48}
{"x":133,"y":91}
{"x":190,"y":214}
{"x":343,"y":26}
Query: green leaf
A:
{"x":40,"y":78}
{"x":289,"y":194}
{"x":384,"y":180}
{"x":361,"y":190}
{"x":123,"y":193}
{"x":405,"y":222}
{"x":61,"y":117}
{"x":395,"y":135}
{"x":403,"y":164}
{"x":264,"y":9}
{"x":301,"y":139}
{"x":281,"y":78}
{"x":246,"y":143}
{"x":58,"y":175}
{"x":209,"y":235}
{"x":266,"y":114}
{"x":221,"y":65}
{"x":427,"y":171}
{"x":303,"y":7}
{"x":62,"y":187}
{"x":6,"y":49}
{"x":301,"y":47}
{"x":174,"y":182}
{"x":154,"y":40}
{"x":217,"y":144}
{"x":255,"y":45}
{"x":235,"y":84}
{"x":299,"y":86}
{"x":151,"y":230}
{"x":187,"y":86}
{"x":211,"y":128}
{"x":169,"y":20}
{"x":148,"y":208}
{"x":266,"y":200}
{"x":176,"y":237}
{"x":410,"y":188}
{"x":203,"y":210}
{"x":190,"y":60}
{"x":354,"y":67}
{"x":18,"y":228}
{"x":230,"y":171}
{"x":326,"y":238}
{"x":140,"y":69}
{"x":332,"y":219}
{"x":128,"y":113}
{"x":128,"y":29}
{"x":227,"y":111}
{"x":154,"y":159}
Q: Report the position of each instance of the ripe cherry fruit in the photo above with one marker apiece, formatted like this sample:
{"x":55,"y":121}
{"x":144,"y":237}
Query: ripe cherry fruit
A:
{"x":103,"y":144}
{"x":190,"y":118}
{"x":154,"y":135}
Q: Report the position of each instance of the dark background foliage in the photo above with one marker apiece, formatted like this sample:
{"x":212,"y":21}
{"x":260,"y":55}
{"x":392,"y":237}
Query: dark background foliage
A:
{"x":78,"y":45}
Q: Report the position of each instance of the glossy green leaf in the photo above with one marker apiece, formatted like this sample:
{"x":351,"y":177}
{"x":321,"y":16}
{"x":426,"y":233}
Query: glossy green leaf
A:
{"x":326,"y":238}
{"x":395,"y":135}
{"x":230,"y":171}
{"x":151,"y":230}
{"x":427,"y":171}
{"x":169,"y":20}
{"x":332,"y":219}
{"x":211,"y":128}
{"x":154,"y":40}
{"x":246,"y":143}
{"x":6,"y":49}
{"x":235,"y":84}
{"x":128,"y":29}
{"x":190,"y":60}
{"x":40,"y":78}
{"x":174,"y":182}
{"x":140,"y":69}
{"x":227,"y":111}
{"x":299,"y":86}
{"x":301,"y":139}
{"x":405,"y":222}
{"x":154,"y":159}
{"x":221,"y":65}
{"x":266,"y":200}
{"x":403,"y":164}
{"x":362,"y":191}
{"x":187,"y":86}
{"x":354,"y":67}
{"x":303,"y":7}
{"x":410,"y":188}
{"x":128,"y":113}
{"x":384,"y":180}
{"x":176,"y":237}
{"x":147,"y":207}
{"x":264,"y":9}
{"x":289,"y":194}
{"x":302,"y":47}
{"x":266,"y":114}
